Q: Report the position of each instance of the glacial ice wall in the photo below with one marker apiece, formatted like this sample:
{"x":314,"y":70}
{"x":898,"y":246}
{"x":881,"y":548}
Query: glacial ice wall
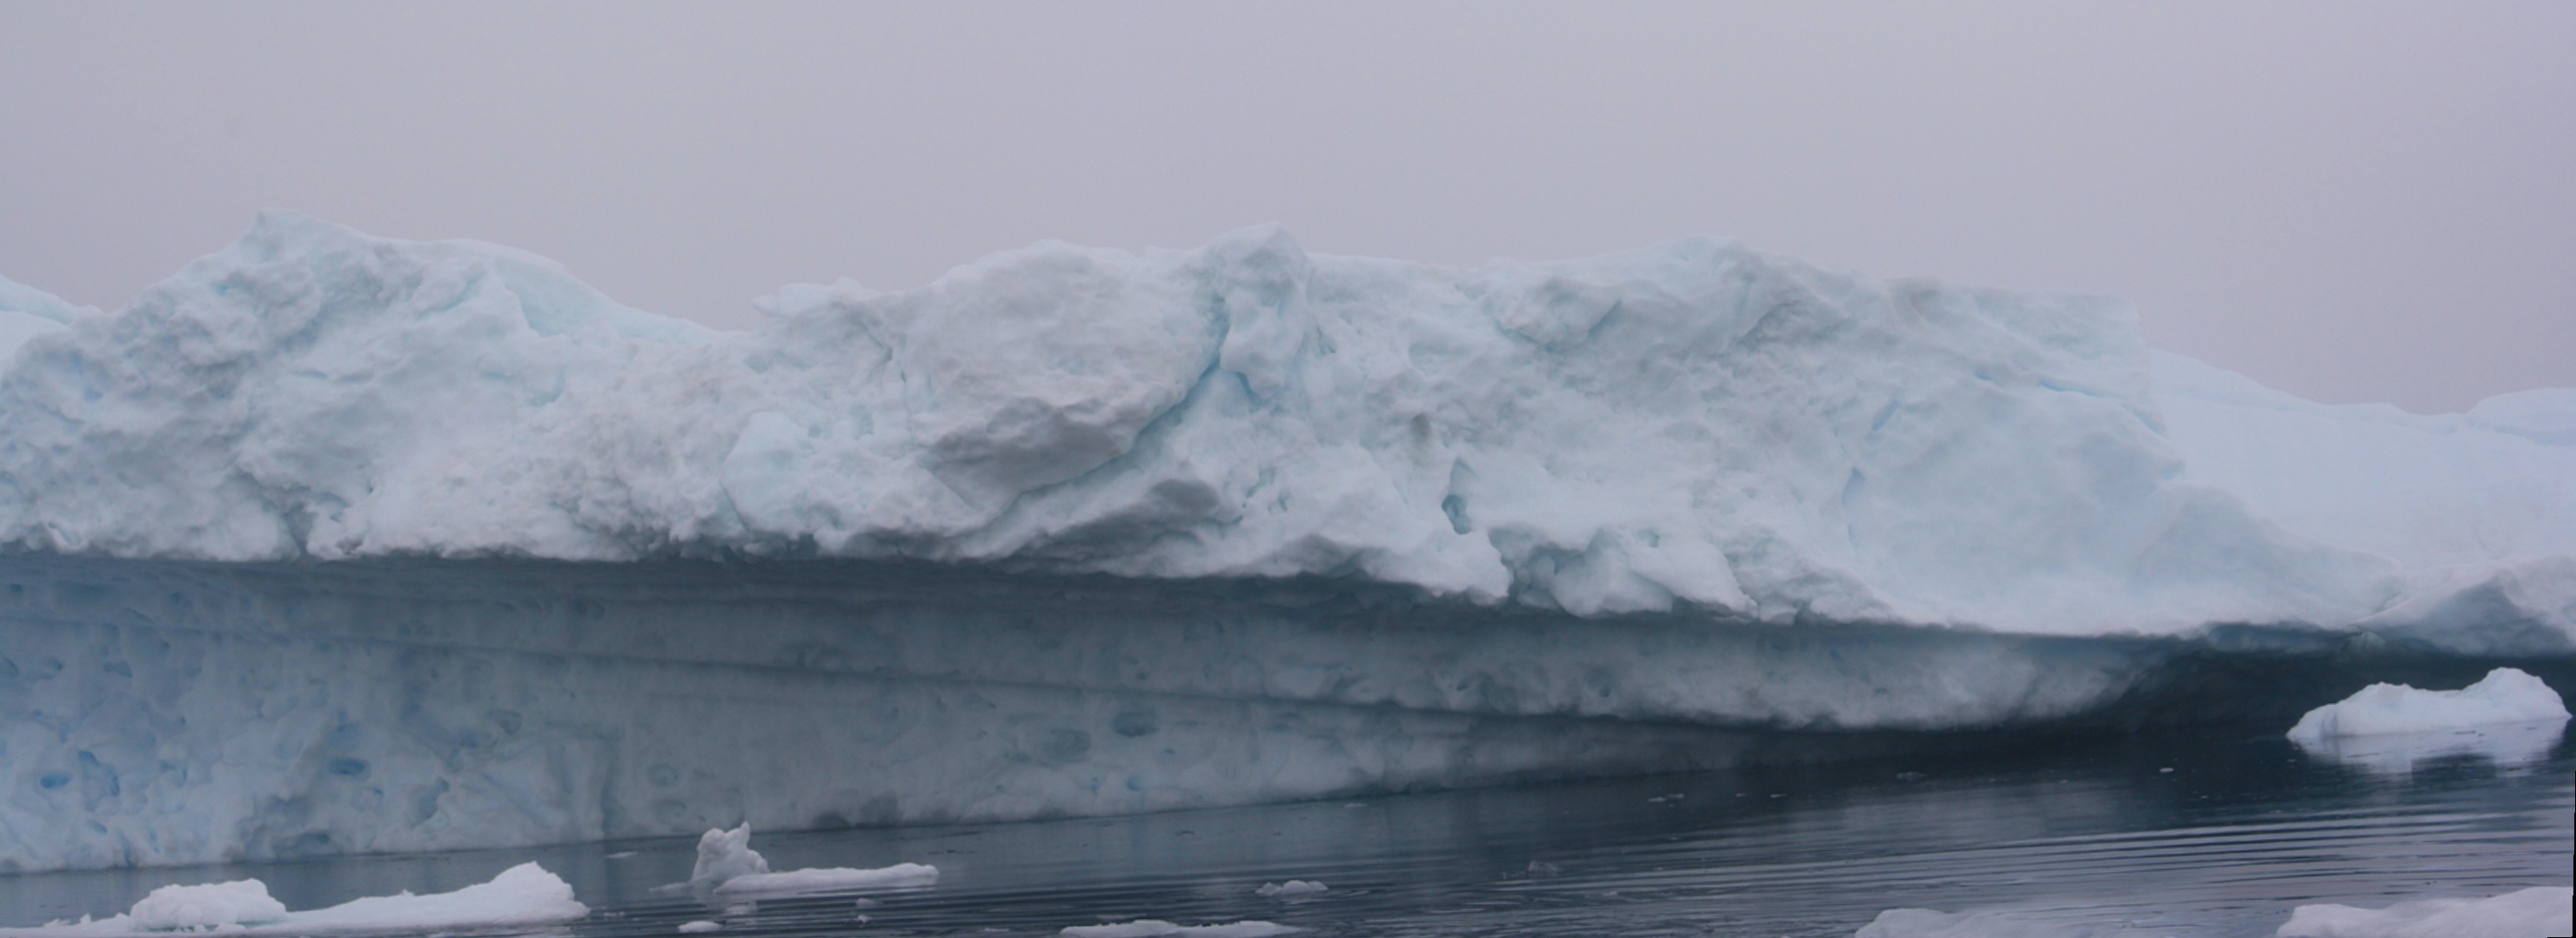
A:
{"x":1694,"y":426}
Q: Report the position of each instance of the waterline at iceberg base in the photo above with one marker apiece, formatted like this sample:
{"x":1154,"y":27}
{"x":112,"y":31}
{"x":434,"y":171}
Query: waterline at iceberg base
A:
{"x":335,"y":544}
{"x":189,"y":712}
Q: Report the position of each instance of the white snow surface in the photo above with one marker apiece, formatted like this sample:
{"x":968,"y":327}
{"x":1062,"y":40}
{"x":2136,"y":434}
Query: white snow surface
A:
{"x":521,"y":895}
{"x":2538,"y":912}
{"x":1691,"y":426}
{"x":2505,"y":695}
{"x":207,"y":905}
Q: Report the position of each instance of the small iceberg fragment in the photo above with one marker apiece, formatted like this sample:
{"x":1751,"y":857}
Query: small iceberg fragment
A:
{"x":2509,"y":717}
{"x":522,"y":895}
{"x":726,"y":855}
{"x":1157,"y":928}
{"x":207,"y":906}
{"x":1294,"y":887}
{"x":699,"y":927}
{"x":728,"y":867}
{"x":829,"y":880}
{"x":2530,"y":913}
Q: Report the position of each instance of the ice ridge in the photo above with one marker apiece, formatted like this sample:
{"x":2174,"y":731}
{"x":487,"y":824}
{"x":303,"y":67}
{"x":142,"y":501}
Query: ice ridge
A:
{"x":1692,"y":427}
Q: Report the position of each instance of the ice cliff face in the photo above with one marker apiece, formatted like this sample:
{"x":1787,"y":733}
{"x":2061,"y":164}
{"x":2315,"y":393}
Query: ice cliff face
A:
{"x":1693,"y":427}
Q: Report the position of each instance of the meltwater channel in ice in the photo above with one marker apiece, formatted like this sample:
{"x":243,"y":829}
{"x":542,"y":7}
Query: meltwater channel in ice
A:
{"x":335,"y":544}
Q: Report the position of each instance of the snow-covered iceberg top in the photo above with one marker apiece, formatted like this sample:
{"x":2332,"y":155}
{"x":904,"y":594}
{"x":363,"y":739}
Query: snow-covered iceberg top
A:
{"x":1691,"y":427}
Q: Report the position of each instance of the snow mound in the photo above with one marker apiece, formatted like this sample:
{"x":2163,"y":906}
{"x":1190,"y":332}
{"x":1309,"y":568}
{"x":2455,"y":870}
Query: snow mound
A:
{"x":213,"y":905}
{"x":2505,"y":695}
{"x":522,"y":895}
{"x":2531,"y":913}
{"x":1157,"y":928}
{"x":1691,"y":427}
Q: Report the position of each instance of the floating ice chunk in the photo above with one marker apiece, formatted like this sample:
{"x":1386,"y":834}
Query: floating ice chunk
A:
{"x":699,"y":927}
{"x":1157,"y":928}
{"x":1294,"y":887}
{"x":2510,"y":718}
{"x":724,"y":855}
{"x":213,"y":905}
{"x":827,"y":880}
{"x":729,"y":867}
{"x":2505,"y":695}
{"x":522,"y":895}
{"x":2531,"y":913}
{"x":2005,"y":923}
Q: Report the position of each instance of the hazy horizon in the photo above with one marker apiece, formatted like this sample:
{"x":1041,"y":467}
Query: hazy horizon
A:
{"x":2348,"y":203}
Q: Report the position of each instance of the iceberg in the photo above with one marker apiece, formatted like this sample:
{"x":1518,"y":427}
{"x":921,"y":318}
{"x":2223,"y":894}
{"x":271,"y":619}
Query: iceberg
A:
{"x":2508,"y":717}
{"x":333,"y":543}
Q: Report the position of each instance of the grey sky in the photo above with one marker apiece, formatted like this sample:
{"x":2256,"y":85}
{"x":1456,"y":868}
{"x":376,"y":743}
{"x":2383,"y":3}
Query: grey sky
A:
{"x":2349,"y":201}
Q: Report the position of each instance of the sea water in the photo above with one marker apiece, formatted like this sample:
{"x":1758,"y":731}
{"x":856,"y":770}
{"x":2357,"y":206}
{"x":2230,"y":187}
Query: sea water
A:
{"x":2218,"y":832}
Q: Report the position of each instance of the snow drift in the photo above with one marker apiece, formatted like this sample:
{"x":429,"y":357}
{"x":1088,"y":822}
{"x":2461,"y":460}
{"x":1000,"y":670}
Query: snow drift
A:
{"x":1693,"y":426}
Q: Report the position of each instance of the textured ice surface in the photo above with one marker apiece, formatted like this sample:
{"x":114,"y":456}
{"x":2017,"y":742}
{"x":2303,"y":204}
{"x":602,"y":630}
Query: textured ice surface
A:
{"x":1693,"y":426}
{"x":522,"y":895}
{"x":2541,"y":910}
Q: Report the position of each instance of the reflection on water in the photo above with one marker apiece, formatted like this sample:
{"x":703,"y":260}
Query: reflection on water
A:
{"x":2216,"y":833}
